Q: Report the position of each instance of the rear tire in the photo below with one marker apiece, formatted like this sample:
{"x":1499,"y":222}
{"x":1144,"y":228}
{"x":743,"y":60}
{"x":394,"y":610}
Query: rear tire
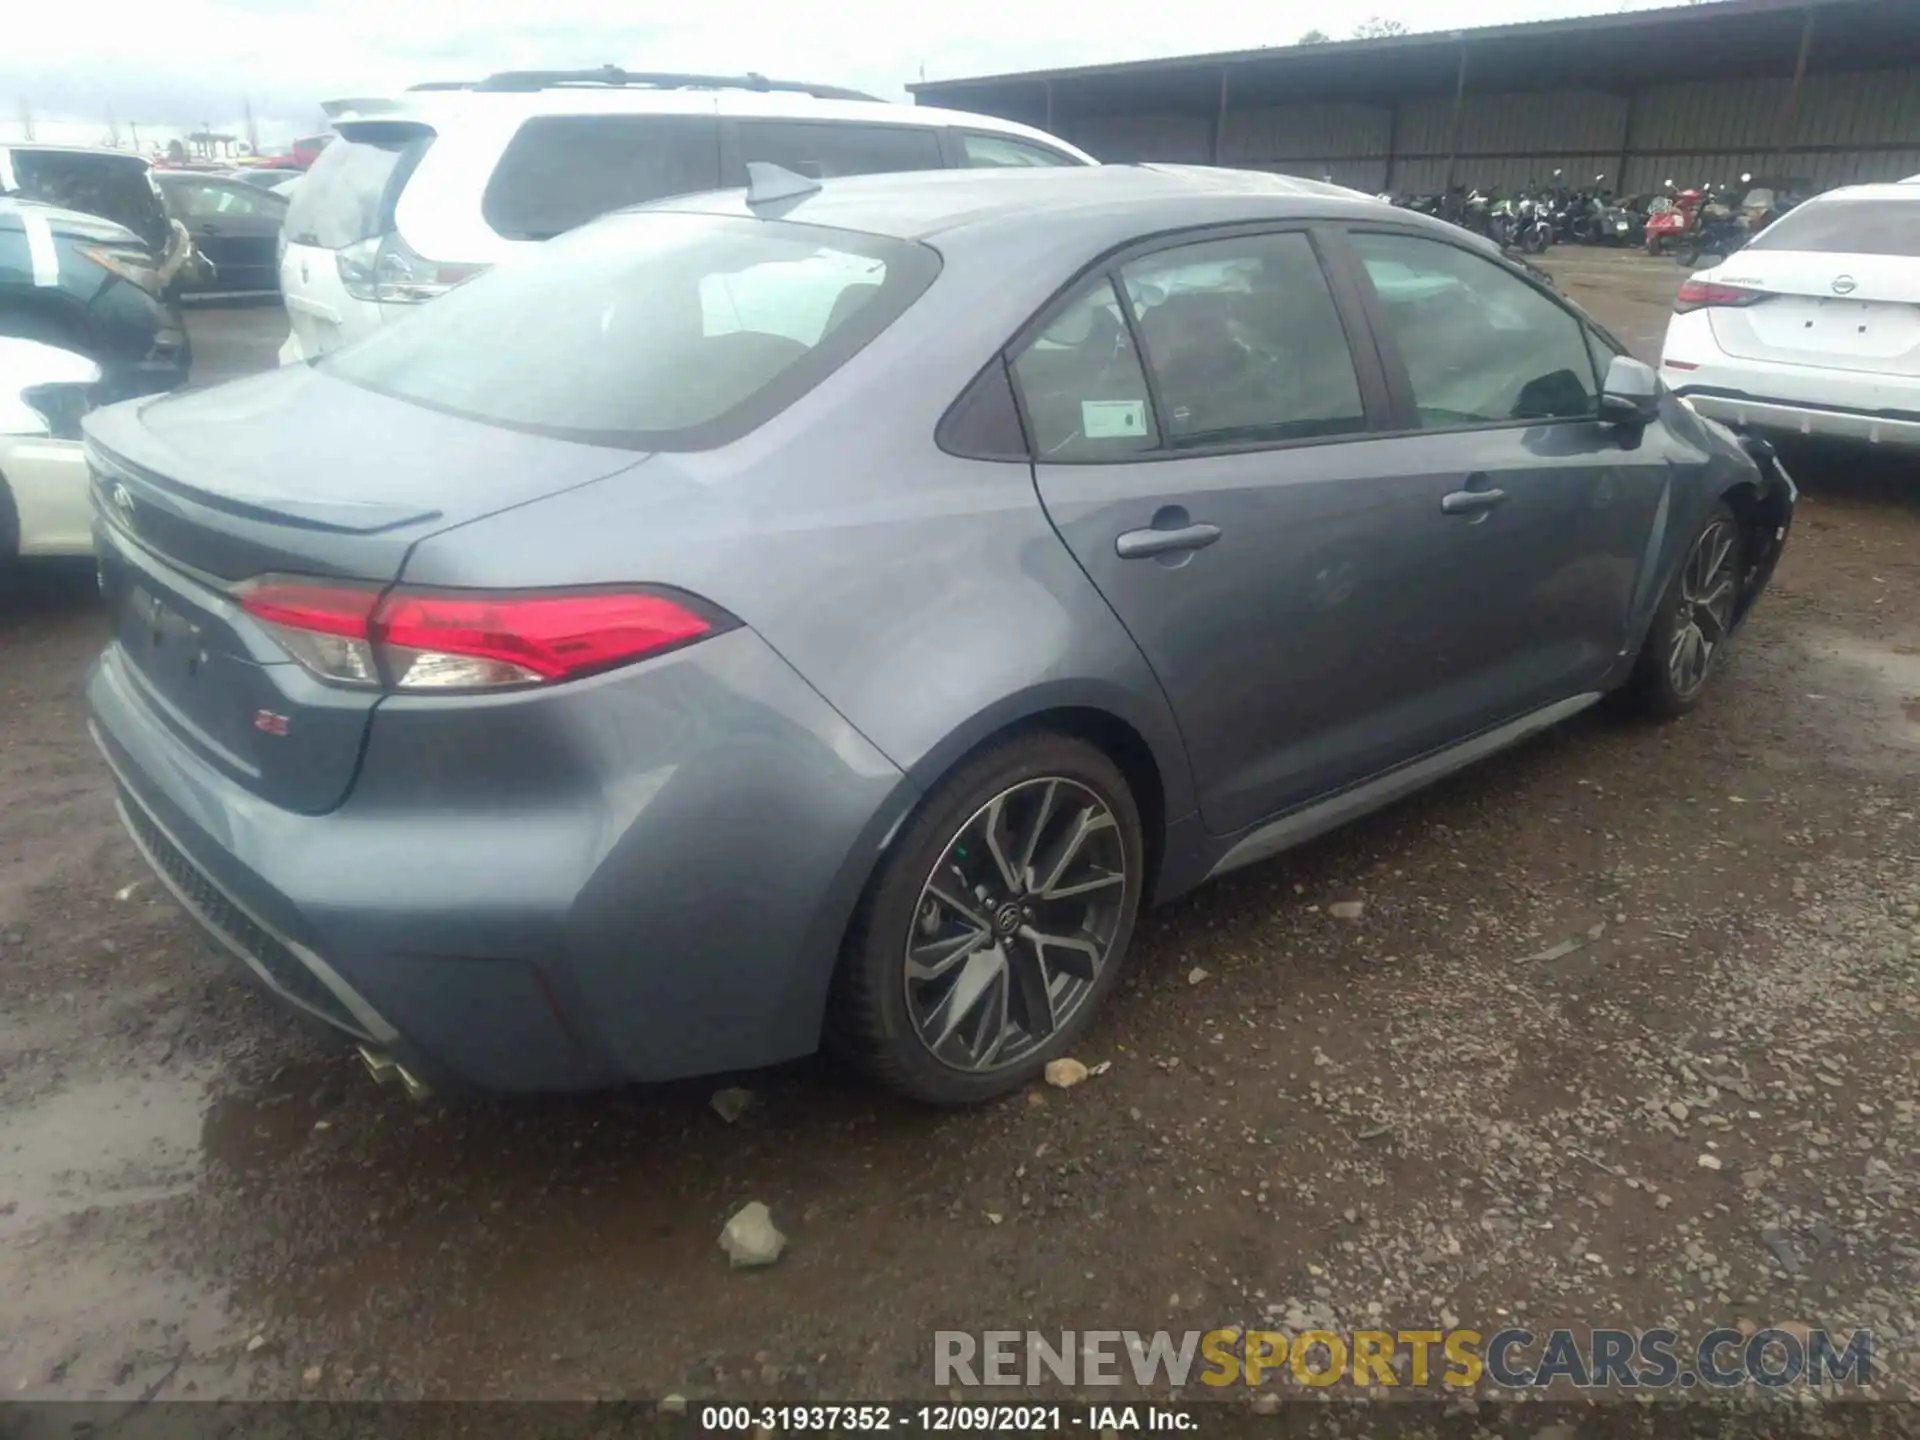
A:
{"x":1687,"y":640}
{"x":996,"y":925}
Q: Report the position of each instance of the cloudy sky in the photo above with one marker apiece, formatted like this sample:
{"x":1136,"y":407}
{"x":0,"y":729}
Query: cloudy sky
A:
{"x":178,"y":63}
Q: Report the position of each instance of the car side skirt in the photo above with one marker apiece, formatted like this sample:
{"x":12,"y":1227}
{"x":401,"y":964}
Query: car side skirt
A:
{"x":1320,"y":816}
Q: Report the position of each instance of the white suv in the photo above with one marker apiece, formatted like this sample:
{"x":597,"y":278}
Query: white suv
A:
{"x":423,"y":190}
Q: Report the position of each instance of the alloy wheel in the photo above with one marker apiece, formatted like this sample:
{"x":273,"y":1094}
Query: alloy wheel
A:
{"x":1015,"y":924}
{"x":1705,"y":612}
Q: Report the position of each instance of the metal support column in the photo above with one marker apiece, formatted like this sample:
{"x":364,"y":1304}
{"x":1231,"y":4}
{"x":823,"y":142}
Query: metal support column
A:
{"x":1048,"y":127}
{"x":1393,"y":145}
{"x":1219,"y":122}
{"x":1626,"y":144}
{"x":1453,"y":123}
{"x":1790,"y":107}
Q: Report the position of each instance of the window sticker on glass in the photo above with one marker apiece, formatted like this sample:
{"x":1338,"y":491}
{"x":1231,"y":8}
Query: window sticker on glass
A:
{"x":1113,"y":419}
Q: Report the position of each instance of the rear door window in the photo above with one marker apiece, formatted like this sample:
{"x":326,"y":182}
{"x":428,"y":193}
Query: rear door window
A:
{"x":349,"y":194}
{"x":199,"y":200}
{"x":823,"y":149}
{"x":560,"y":171}
{"x":1244,"y":342}
{"x":1847,"y":227}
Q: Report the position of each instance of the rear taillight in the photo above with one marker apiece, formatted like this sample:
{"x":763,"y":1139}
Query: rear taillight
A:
{"x":464,"y":640}
{"x":1706,"y":294}
{"x":386,"y":269}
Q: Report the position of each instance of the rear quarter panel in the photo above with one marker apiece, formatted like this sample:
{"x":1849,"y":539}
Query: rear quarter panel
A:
{"x":925,"y":596}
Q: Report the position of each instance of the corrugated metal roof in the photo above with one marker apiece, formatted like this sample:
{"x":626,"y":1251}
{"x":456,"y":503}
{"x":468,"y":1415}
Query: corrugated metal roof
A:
{"x":1746,"y":35}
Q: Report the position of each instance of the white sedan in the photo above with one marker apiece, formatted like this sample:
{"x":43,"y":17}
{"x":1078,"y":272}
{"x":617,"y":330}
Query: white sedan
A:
{"x":43,"y":470}
{"x":1814,"y":327}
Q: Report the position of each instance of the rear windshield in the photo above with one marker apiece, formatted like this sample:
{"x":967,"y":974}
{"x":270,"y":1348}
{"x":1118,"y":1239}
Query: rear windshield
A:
{"x":1847,"y":227}
{"x":649,"y":331}
{"x":560,"y":171}
{"x":115,"y":187}
{"x":349,"y":194}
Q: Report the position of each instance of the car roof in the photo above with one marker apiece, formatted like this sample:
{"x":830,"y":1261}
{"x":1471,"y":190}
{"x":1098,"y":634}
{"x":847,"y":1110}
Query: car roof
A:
{"x":443,"y":109}
{"x":1900,"y":190}
{"x":915,"y":205}
{"x":41,"y":148}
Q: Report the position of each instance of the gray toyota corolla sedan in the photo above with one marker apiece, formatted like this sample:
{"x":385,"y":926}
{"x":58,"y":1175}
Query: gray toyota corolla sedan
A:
{"x":832,"y":611}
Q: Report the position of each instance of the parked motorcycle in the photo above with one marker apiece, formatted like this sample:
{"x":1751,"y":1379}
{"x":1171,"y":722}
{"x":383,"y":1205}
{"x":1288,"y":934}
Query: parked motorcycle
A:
{"x":1521,"y":222}
{"x":1618,"y":224}
{"x":1719,"y":228}
{"x":1670,"y":217}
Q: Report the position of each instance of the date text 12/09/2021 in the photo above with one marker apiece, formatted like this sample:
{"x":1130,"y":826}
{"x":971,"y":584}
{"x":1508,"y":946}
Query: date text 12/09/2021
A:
{"x":947,"y":1419}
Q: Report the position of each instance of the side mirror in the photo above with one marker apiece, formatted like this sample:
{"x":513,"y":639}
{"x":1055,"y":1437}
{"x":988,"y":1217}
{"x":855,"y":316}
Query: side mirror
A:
{"x":43,"y":388}
{"x":1631,"y":393}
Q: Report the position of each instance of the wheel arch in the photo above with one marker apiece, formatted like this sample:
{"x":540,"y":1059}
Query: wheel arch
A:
{"x":1110,"y":734}
{"x":9,"y":521}
{"x":1762,"y":513}
{"x":1138,"y":737}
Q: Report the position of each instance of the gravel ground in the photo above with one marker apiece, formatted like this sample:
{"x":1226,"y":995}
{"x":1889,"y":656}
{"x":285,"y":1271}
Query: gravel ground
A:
{"x":1621,"y":1034}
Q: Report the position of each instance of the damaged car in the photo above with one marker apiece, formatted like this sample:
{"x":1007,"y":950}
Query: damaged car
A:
{"x":89,"y":262}
{"x":830,"y":611}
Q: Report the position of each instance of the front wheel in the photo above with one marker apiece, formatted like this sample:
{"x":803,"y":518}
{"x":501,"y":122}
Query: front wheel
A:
{"x":995,"y":926}
{"x":1655,"y":244}
{"x":1688,"y":637}
{"x":1535,"y":238}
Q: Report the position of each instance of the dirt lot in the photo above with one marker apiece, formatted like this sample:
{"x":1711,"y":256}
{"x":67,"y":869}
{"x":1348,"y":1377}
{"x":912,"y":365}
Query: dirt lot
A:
{"x":1701,"y":1113}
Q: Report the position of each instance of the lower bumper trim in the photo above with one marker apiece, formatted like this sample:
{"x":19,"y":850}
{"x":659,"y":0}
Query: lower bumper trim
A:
{"x":290,"y":970}
{"x":1812,"y":421}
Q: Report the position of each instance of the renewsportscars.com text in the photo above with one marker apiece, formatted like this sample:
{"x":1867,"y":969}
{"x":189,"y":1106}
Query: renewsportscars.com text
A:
{"x":1458,"y":1358}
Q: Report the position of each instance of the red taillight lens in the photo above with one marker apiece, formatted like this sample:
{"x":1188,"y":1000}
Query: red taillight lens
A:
{"x":526,"y":638}
{"x":1705,"y":294}
{"x":421,"y":640}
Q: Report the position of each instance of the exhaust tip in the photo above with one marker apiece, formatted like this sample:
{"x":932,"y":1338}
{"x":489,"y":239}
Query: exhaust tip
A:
{"x":386,"y":1070}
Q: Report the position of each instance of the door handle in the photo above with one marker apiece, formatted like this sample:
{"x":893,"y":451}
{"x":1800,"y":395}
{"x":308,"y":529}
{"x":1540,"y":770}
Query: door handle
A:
{"x":1139,"y":544}
{"x":1471,"y":502}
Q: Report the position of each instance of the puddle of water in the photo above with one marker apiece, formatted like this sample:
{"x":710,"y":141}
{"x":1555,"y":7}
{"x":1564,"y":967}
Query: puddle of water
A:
{"x":1892,"y":673}
{"x":117,"y":1140}
{"x":87,"y":1172}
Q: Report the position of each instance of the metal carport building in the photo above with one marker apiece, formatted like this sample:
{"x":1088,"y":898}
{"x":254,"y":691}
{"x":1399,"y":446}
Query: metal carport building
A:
{"x":1828,"y":90}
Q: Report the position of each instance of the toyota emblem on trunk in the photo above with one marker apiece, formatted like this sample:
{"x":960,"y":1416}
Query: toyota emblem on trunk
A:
{"x":1844,"y":285}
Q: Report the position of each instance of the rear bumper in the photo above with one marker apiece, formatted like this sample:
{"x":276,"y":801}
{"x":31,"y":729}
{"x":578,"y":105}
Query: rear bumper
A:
{"x":47,"y":483}
{"x":1782,"y":418}
{"x":658,"y":890}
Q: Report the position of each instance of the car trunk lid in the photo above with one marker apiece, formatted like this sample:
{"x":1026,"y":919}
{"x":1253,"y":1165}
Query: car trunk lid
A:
{"x":198,"y":494}
{"x":1836,"y":311}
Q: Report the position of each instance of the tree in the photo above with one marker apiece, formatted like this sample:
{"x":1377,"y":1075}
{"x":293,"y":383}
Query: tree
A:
{"x":1315,"y":37}
{"x":1378,"y":29}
